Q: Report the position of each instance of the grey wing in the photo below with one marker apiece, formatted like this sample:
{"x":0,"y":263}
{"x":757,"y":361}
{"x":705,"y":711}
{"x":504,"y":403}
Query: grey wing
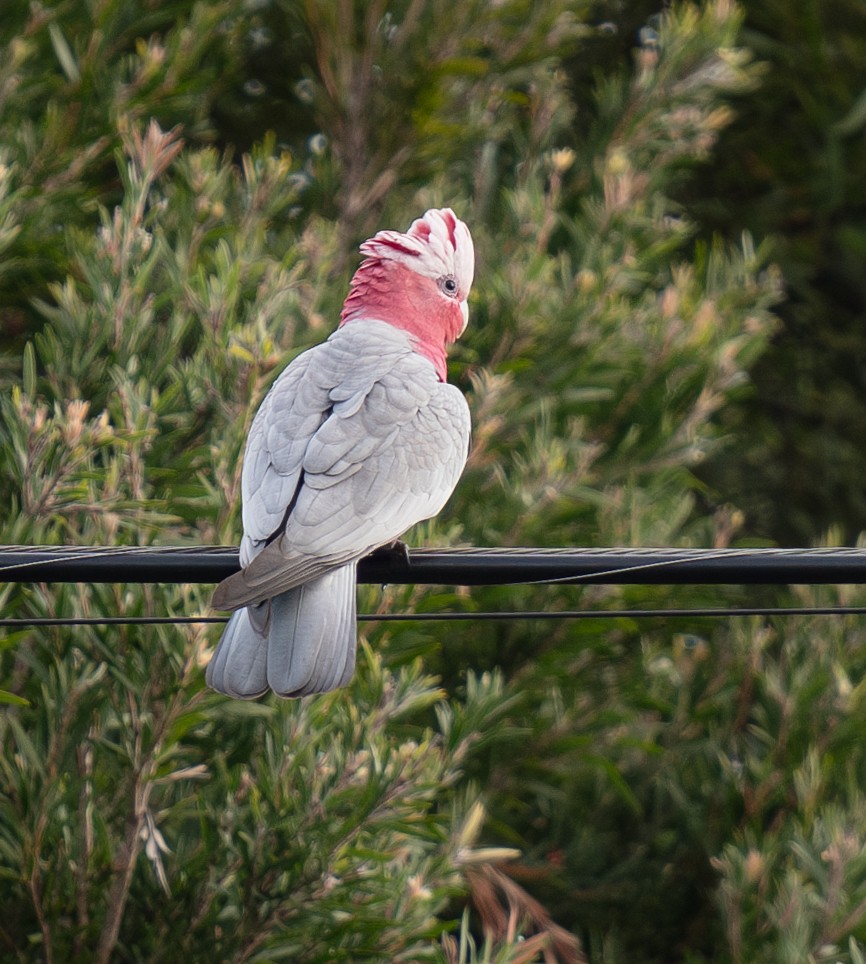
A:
{"x":335,"y":375}
{"x":371,"y":476}
{"x":288,"y":417}
{"x":386,"y":457}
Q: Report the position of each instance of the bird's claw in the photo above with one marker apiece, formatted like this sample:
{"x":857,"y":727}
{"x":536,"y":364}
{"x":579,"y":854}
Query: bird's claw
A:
{"x":396,"y":551}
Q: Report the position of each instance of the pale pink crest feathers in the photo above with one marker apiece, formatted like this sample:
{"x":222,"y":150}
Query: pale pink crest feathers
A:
{"x":436,"y":245}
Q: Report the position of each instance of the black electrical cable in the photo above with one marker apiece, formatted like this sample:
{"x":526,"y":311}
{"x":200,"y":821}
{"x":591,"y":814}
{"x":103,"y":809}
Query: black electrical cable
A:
{"x":465,"y":566}
{"x":722,"y":612}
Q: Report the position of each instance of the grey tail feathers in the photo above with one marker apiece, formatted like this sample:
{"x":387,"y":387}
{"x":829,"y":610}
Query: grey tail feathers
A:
{"x":300,"y":642}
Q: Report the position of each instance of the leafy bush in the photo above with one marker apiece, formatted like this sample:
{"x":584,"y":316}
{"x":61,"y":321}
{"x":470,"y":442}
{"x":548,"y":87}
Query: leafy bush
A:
{"x":669,"y":792}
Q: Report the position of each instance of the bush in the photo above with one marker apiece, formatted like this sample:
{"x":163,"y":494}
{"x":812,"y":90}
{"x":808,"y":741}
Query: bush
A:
{"x":637,"y":769}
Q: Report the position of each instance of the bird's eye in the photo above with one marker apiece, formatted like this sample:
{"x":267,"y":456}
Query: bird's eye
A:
{"x":448,"y":284}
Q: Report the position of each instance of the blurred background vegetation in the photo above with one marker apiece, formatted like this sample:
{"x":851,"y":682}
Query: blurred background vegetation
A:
{"x":666,"y":348}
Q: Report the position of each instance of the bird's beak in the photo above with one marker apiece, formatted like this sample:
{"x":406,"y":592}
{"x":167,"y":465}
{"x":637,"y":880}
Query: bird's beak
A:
{"x":464,"y":310}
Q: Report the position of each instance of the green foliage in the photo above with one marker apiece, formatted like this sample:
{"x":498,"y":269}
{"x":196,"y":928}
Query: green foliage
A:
{"x":73,"y":78}
{"x":300,"y":830}
{"x":792,"y":168}
{"x":673,"y":794}
{"x":793,"y":877}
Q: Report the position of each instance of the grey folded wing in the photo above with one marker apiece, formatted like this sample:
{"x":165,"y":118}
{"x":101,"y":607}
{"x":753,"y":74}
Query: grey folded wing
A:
{"x":356,"y":442}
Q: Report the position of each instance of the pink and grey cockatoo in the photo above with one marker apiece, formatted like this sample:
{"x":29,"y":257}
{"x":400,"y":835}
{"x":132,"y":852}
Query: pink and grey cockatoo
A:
{"x":358,"y":439}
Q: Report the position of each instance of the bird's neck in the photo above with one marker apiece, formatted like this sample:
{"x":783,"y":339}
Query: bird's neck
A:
{"x":393,"y":293}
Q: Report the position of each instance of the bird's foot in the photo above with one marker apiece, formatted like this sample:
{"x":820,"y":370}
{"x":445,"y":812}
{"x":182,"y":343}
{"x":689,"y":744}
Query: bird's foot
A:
{"x":396,"y":551}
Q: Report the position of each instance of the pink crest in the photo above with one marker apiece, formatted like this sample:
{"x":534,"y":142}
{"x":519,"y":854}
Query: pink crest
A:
{"x":436,"y":245}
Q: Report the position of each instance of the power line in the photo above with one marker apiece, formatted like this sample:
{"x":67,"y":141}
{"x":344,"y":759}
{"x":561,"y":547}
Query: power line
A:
{"x":717,"y":612}
{"x":464,"y":566}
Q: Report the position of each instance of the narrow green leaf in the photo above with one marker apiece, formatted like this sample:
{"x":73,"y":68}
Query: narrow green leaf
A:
{"x":855,"y":120}
{"x":28,"y":371}
{"x":13,"y":699}
{"x":64,"y":53}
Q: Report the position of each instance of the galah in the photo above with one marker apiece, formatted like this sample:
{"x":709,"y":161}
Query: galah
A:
{"x":359,"y":438}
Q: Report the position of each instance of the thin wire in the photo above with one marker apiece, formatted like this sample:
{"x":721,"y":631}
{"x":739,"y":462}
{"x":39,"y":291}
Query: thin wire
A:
{"x":656,"y":564}
{"x":97,"y":553}
{"x":19,"y":623}
{"x":681,"y":561}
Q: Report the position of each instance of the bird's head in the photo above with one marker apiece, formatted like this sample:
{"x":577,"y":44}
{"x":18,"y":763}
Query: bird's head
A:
{"x":417,"y":281}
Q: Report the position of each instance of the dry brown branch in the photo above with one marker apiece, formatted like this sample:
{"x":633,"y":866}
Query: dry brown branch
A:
{"x":503,"y":904}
